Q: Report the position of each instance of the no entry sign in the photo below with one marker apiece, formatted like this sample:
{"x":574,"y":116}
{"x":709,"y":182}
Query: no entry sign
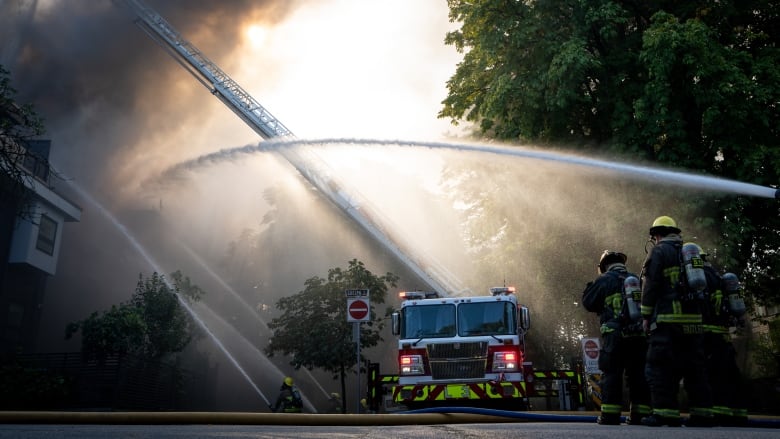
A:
{"x":357,"y":310}
{"x":590,"y":354}
{"x":591,"y":349}
{"x":357,"y":305}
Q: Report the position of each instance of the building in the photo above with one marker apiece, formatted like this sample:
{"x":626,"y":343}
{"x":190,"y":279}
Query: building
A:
{"x":32,"y":218}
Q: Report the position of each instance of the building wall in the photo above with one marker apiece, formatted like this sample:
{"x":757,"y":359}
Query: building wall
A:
{"x":20,"y":307}
{"x":29,"y":246}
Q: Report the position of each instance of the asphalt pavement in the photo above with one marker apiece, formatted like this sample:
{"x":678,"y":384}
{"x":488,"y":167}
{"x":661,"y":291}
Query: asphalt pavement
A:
{"x":552,"y":425}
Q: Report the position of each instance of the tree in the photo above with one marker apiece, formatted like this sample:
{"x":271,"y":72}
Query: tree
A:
{"x":151,"y":325}
{"x":18,"y":124}
{"x":690,"y":85}
{"x":686,"y":85}
{"x":324,"y":340}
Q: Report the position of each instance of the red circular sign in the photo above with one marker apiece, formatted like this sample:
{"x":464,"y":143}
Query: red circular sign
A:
{"x":591,"y":349}
{"x":358,"y":309}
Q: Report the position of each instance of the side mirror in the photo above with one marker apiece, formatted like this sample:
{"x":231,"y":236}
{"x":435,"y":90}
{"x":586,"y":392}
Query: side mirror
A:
{"x":524,"y":322}
{"x":396,"y":323}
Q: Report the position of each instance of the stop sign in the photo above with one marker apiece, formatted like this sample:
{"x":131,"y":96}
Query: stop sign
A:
{"x":357,"y":310}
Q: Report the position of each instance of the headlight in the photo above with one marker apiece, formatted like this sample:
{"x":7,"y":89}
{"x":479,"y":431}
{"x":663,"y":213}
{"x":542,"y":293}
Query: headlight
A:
{"x":411,"y":365}
{"x":505,"y":361}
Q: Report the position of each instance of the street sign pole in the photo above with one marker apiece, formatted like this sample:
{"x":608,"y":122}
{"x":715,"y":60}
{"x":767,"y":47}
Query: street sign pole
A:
{"x":357,"y":331}
{"x":358,"y":310}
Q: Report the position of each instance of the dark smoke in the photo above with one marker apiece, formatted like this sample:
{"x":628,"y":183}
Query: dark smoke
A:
{"x":94,"y":75}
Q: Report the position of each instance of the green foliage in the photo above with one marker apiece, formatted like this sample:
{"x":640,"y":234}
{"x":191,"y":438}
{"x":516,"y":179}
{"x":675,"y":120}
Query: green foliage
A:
{"x":28,"y":388}
{"x":18,"y":123}
{"x":313,"y":327}
{"x":689,"y":85}
{"x":151,"y":325}
{"x":766,"y":351}
{"x":120,"y":330}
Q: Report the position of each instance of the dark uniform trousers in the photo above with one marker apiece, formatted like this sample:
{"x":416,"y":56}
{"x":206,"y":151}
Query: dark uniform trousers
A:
{"x":676,"y":352}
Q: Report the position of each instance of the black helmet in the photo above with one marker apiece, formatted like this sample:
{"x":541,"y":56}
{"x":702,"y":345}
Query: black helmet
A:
{"x":610,"y":257}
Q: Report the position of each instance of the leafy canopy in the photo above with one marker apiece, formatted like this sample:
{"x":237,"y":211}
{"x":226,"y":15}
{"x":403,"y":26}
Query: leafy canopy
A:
{"x":690,"y":85}
{"x":152,"y":324}
{"x":313,"y":327}
{"x":18,"y":124}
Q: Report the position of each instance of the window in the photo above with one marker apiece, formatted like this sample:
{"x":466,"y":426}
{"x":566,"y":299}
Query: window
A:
{"x":486,"y":318}
{"x":47,"y":235}
{"x":429,"y":321}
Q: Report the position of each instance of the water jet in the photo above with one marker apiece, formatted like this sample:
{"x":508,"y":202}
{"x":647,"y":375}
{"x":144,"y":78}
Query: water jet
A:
{"x":155,"y":266}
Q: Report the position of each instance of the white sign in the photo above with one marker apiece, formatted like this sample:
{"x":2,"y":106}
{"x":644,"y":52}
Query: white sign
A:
{"x":356,"y":293}
{"x":590,"y":355}
{"x":358,"y":310}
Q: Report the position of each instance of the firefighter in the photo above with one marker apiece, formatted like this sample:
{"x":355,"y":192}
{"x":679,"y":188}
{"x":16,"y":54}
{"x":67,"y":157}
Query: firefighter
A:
{"x":729,"y":400}
{"x":289,"y":399}
{"x":623,"y":342}
{"x":336,"y":405}
{"x":672,"y":316}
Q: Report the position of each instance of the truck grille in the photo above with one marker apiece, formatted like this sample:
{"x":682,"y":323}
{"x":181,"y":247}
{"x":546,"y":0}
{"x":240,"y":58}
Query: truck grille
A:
{"x":457,"y":360}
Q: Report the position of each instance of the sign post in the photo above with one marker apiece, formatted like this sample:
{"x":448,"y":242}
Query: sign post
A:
{"x":358,"y":310}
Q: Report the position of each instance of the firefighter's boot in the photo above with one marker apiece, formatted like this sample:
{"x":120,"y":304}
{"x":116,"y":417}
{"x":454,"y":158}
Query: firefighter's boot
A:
{"x":656,"y":420}
{"x":608,"y":419}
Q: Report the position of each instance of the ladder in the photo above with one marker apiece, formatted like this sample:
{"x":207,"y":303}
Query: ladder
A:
{"x":268,"y":127}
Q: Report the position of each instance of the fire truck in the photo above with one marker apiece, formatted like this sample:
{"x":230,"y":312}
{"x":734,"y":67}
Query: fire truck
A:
{"x":462,"y":351}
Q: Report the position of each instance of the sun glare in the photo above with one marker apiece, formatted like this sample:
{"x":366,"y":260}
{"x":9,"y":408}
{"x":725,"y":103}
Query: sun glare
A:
{"x":256,"y":35}
{"x":348,"y":68}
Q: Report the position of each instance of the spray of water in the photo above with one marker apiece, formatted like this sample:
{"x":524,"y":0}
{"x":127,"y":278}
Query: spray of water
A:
{"x":639,"y":172}
{"x":247,"y":346}
{"x":222,"y":283}
{"x":259,"y":319}
{"x":154,"y":266}
{"x":633,"y":171}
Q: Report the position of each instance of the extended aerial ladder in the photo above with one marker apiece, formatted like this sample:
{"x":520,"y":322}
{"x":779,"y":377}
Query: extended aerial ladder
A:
{"x":268,"y":127}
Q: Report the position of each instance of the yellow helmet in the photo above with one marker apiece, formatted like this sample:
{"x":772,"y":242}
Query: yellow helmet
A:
{"x":663,"y":225}
{"x":288,"y":381}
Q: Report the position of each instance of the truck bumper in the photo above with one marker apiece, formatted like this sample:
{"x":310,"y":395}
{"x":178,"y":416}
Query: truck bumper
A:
{"x":449,"y":393}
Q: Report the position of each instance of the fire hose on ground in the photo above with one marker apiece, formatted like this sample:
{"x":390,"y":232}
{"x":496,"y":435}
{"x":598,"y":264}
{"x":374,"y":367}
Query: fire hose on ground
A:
{"x":442,"y":415}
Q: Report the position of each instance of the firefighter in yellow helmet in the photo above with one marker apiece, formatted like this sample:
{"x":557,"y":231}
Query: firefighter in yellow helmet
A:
{"x":336,"y":403}
{"x":672,"y":318}
{"x":623,"y":342}
{"x":289,"y":399}
{"x":364,"y":406}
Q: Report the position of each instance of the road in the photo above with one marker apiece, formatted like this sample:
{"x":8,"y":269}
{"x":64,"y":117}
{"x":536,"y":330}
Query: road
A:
{"x":36,"y":425}
{"x":482,"y":430}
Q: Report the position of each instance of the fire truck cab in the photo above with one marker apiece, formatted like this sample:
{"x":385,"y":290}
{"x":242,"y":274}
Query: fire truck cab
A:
{"x":461,"y":351}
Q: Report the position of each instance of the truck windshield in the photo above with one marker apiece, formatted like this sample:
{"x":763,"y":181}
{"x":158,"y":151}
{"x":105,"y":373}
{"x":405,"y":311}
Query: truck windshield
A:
{"x":429,"y":321}
{"x":486,"y":318}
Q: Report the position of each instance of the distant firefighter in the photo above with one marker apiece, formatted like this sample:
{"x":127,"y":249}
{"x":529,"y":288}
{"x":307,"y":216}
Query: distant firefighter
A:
{"x":289,"y":399}
{"x":336,"y":404}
